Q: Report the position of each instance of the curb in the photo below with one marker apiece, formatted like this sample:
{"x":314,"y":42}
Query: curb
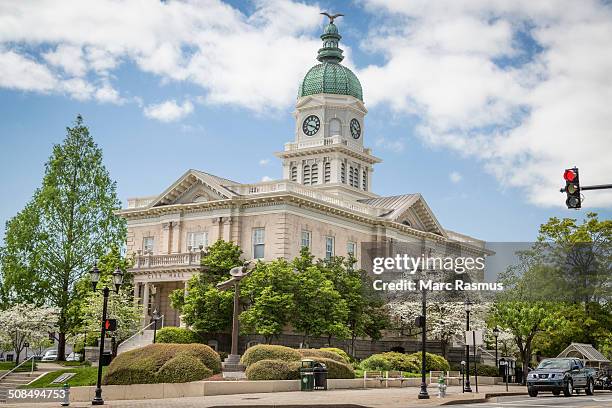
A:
{"x":486,"y":397}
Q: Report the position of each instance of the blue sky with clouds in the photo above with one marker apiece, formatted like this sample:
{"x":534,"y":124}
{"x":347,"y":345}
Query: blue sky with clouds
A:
{"x":477,"y":104}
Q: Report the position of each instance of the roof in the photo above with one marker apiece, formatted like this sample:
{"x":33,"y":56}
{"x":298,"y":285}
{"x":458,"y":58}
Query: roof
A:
{"x":584,"y":352}
{"x":330,"y":76}
{"x":393,"y":203}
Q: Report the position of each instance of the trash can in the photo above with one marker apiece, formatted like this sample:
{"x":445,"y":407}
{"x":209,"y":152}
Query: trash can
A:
{"x":307,"y":375}
{"x":106,"y":358}
{"x":320,"y":376}
{"x":518,"y":375}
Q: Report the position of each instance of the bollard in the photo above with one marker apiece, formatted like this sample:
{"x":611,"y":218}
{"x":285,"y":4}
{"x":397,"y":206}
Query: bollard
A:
{"x":441,"y":386}
{"x":66,"y":401}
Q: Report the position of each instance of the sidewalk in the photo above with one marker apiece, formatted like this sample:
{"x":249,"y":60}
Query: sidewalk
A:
{"x":371,"y":398}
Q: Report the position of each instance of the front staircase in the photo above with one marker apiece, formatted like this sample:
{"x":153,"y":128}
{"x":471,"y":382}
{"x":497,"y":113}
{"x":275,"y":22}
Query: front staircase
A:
{"x":18,"y":378}
{"x":140,"y":339}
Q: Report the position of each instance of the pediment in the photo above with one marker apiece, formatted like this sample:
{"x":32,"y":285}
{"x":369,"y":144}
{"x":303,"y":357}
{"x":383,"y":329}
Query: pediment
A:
{"x":419,"y":216}
{"x":192,"y":187}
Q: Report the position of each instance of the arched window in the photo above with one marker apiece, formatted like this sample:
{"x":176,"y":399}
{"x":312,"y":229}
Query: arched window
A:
{"x":213,"y":344}
{"x":343,"y":173}
{"x":314,"y":174}
{"x":351,"y":177}
{"x":327,"y":172}
{"x":293,"y":173}
{"x":334,"y":127}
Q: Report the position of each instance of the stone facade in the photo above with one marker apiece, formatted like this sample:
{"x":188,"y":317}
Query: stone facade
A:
{"x":325,"y":201}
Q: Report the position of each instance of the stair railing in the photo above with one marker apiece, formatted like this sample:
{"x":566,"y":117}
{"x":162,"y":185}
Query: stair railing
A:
{"x":16,"y":367}
{"x":141,"y":331}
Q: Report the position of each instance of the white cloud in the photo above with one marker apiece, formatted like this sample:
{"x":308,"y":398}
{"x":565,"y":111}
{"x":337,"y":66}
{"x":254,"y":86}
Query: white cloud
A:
{"x":168,"y":111}
{"x":264,"y":162}
{"x":525,"y":121}
{"x":108,"y":94}
{"x":253,"y":61}
{"x":455,"y":176}
{"x":266,"y":178}
{"x":20,"y":72}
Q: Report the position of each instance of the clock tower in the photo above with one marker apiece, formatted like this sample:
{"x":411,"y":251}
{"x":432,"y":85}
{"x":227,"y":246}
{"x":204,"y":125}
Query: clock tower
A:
{"x":328,"y":151}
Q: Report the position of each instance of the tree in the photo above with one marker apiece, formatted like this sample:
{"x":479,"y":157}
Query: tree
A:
{"x":121,"y":306}
{"x":268,"y":292}
{"x":319,"y":307}
{"x":204,"y":307}
{"x":25,"y":322}
{"x":69,"y":222}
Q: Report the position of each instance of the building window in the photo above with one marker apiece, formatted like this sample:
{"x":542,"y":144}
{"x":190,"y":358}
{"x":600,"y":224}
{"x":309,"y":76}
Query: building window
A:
{"x":293,"y":173}
{"x":365,"y":179}
{"x":354,"y":177}
{"x":148,"y":244}
{"x":350,"y":175}
{"x":329,"y":247}
{"x":213,"y":344}
{"x":258,"y":242}
{"x":351,"y":248}
{"x":327,"y":172}
{"x":314,"y":174}
{"x":306,"y":174}
{"x":195,"y":239}
{"x":305,"y":239}
{"x":334,"y":127}
{"x":343,"y":173}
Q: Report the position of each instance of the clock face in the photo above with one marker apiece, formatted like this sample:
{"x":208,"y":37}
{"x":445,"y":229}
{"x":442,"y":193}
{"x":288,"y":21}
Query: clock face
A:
{"x":311,"y":125}
{"x":355,"y":129}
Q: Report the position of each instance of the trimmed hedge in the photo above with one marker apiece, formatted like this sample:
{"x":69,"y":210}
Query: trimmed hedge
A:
{"x":376,"y":362}
{"x":433,"y":362}
{"x":176,"y":335}
{"x":269,"y":352}
{"x":339,"y":352}
{"x":315,"y":354}
{"x":337,"y":369}
{"x":144,"y":365}
{"x":273,"y":370}
{"x":182,"y":368}
{"x":401,"y":362}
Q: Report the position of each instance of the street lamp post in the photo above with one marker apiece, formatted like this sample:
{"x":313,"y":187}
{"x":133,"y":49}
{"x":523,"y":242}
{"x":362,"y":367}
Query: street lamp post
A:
{"x":423,"y":393}
{"x":496,"y":334}
{"x":94,"y":275}
{"x":156,"y":318}
{"x":468,"y":307}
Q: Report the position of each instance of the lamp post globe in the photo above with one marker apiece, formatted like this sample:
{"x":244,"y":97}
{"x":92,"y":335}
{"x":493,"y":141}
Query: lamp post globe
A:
{"x":94,"y":276}
{"x":117,"y":279}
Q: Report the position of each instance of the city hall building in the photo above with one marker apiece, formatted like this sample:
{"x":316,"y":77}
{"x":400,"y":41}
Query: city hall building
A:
{"x":325,"y":200}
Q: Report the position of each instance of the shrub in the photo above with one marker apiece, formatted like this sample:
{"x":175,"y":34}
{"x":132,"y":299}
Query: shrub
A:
{"x":339,"y":352}
{"x":316,"y":354}
{"x":269,"y":352}
{"x":222,"y":355}
{"x":401,"y":362}
{"x":433,"y":362}
{"x":270,"y":370}
{"x":485,"y":370}
{"x":176,"y":335}
{"x":143,"y":365}
{"x":183,"y":368}
{"x":337,"y":369}
{"x":376,"y":362}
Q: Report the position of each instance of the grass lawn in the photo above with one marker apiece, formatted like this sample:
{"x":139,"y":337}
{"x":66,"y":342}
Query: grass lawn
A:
{"x":84,"y":376}
{"x":9,"y":365}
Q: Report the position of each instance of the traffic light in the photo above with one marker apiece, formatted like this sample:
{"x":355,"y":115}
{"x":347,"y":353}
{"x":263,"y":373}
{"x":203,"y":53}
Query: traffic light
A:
{"x":572,"y":188}
{"x":110,"y":324}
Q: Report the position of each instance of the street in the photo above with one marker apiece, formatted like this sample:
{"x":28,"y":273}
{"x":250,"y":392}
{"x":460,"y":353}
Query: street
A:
{"x":601,"y":399}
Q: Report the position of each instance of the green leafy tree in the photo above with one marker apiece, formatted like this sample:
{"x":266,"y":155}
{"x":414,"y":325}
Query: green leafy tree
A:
{"x":268,"y":292}
{"x":204,"y":307}
{"x":69,"y":222}
{"x":319,"y":307}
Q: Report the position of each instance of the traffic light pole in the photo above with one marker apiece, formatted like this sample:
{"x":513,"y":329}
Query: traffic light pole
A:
{"x":98,"y":397}
{"x":596,"y":187}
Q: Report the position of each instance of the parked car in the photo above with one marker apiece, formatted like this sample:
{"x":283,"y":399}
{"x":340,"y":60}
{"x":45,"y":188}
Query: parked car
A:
{"x":73,"y":357}
{"x":561,"y":375}
{"x":38,"y":357}
{"x":50,"y":355}
{"x":604,"y":380}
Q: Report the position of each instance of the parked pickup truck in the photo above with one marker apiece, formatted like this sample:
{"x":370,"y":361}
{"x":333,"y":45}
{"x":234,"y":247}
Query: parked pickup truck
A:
{"x":560,"y":375}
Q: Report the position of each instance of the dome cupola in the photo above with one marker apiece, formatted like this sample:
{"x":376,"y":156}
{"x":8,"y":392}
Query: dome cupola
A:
{"x":330,"y":76}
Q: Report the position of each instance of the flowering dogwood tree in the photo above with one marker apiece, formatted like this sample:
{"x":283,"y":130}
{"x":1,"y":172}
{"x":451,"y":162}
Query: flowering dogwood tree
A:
{"x":24,"y":322}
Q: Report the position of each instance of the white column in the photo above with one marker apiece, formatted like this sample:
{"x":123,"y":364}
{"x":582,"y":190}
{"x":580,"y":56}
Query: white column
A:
{"x":181,"y":322}
{"x":145,"y":304}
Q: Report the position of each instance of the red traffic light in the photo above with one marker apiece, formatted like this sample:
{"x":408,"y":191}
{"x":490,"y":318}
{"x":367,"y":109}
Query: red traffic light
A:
{"x":569,"y":175}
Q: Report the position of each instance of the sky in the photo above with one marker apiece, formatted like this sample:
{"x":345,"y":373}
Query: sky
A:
{"x":477,"y":105}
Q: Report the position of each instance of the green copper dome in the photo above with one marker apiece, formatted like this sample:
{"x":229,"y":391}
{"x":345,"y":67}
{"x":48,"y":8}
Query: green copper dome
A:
{"x":330,"y":76}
